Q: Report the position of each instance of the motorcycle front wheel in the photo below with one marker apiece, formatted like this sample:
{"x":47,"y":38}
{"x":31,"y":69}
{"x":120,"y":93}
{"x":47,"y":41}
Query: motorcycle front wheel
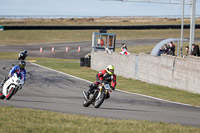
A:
{"x":86,"y":103}
{"x":10,"y":93}
{"x":99,"y":100}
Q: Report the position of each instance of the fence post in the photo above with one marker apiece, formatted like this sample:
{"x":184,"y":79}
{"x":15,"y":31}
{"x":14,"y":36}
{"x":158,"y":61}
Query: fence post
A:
{"x":136,"y":66}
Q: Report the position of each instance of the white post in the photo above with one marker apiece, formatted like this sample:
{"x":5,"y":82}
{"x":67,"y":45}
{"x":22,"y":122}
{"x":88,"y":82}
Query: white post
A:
{"x":192,"y":23}
{"x":182,"y":27}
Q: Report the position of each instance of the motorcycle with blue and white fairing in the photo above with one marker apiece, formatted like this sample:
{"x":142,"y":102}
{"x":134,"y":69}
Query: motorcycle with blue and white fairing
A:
{"x":11,"y":86}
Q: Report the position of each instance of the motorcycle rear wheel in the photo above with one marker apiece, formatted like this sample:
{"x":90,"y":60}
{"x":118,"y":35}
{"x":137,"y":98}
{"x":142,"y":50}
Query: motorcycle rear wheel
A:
{"x":1,"y":95}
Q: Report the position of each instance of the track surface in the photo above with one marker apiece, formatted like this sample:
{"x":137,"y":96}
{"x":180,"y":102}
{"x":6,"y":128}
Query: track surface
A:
{"x":50,"y":90}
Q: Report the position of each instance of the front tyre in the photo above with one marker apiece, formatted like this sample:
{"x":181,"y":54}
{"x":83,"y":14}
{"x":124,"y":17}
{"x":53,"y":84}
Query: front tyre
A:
{"x":10,"y":93}
{"x":99,"y":100}
{"x":86,"y":103}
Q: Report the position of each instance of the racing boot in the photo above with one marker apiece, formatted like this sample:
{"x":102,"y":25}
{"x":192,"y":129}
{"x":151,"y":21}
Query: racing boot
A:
{"x":91,"y":88}
{"x":2,"y":83}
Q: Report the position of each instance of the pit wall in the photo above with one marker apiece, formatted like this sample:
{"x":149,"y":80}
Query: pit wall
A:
{"x":162,"y":70}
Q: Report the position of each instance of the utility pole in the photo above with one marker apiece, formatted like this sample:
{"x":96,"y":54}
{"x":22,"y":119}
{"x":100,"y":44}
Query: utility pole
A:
{"x":182,"y":27}
{"x":192,"y":23}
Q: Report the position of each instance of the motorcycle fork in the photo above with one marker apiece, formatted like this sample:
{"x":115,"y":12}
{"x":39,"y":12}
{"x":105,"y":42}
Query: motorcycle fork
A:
{"x":106,"y":92}
{"x":95,"y":94}
{"x":100,"y":91}
{"x":16,"y":89}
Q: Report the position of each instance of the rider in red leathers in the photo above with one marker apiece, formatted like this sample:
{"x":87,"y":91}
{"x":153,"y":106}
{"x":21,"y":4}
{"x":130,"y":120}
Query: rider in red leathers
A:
{"x":104,"y":75}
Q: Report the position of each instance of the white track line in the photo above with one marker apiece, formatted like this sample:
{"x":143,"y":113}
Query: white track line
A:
{"x":116,"y":89}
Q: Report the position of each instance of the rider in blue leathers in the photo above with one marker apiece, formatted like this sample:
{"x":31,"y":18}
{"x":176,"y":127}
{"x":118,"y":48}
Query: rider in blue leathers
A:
{"x":19,"y":70}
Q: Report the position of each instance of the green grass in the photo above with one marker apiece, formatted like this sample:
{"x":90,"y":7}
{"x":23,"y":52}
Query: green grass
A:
{"x":138,"y":49}
{"x":13,"y":37}
{"x":15,"y":120}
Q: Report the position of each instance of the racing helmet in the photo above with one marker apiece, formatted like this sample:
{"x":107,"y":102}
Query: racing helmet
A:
{"x":22,"y":64}
{"x":25,"y":51}
{"x":110,"y":69}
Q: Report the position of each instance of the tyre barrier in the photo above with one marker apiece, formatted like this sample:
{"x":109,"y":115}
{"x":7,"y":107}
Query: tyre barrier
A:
{"x":84,"y":62}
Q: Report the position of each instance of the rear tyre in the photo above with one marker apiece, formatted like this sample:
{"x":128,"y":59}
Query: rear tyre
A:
{"x":10,"y":93}
{"x":1,"y":95}
{"x":99,"y":101}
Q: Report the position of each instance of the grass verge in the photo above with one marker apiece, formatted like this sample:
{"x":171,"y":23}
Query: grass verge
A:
{"x":96,"y":21}
{"x":13,"y":37}
{"x":15,"y":120}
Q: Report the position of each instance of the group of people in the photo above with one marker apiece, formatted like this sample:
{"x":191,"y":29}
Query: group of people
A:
{"x":168,"y":49}
{"x":194,"y":52}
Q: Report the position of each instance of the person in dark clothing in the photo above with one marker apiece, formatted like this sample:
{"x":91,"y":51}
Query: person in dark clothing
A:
{"x":23,"y":55}
{"x":171,"y":49}
{"x":187,"y":50}
{"x":195,"y":51}
{"x":164,"y":50}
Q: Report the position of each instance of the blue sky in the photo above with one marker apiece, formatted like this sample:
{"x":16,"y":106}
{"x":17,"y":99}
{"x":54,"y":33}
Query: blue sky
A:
{"x":89,"y":8}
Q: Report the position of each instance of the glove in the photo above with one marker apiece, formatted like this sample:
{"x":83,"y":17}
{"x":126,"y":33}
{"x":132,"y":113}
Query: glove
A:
{"x":20,"y":87}
{"x":100,"y":81}
{"x":113,"y":88}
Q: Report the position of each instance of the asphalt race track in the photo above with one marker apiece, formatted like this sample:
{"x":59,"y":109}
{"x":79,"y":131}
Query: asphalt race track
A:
{"x":49,"y":90}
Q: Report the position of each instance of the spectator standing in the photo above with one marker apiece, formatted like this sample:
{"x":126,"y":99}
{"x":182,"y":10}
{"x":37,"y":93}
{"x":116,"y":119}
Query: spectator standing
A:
{"x":195,"y":51}
{"x":171,"y":49}
{"x":124,"y":49}
{"x":187,"y":50}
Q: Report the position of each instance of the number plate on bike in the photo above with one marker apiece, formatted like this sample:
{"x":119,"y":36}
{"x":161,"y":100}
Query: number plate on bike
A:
{"x":107,"y":86}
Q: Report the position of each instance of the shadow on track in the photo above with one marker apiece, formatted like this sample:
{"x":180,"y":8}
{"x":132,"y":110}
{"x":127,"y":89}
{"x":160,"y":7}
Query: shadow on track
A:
{"x":121,"y":109}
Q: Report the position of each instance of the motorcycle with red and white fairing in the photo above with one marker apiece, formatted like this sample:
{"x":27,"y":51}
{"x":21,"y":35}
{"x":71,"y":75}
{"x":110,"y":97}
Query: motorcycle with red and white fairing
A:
{"x":11,"y":86}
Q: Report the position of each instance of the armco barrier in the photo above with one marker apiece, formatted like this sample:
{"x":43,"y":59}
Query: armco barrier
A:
{"x":162,"y":70}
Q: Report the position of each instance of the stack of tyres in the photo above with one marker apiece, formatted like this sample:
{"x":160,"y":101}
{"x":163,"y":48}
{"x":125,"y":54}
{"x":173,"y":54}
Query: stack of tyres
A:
{"x":82,"y":60}
{"x":85,"y":62}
